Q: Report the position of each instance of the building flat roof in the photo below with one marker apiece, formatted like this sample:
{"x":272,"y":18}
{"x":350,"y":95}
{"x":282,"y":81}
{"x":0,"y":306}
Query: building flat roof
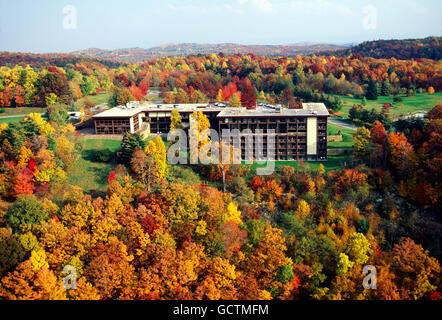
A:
{"x":308,"y":109}
{"x":124,"y":112}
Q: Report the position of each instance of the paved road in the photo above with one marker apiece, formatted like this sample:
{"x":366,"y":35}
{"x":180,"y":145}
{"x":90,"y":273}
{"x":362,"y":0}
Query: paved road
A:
{"x":418,"y":114}
{"x":16,"y":116}
{"x":342,"y":124}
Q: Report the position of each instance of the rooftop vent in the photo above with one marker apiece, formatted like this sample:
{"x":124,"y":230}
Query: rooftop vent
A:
{"x":132,"y":105}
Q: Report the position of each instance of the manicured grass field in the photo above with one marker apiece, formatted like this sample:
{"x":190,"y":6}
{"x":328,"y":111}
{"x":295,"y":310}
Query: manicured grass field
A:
{"x":21,"y":110}
{"x":97,"y":99}
{"x":333,"y":163}
{"x":90,"y":174}
{"x":10,"y":120}
{"x":347,"y":137}
{"x":418,"y":102}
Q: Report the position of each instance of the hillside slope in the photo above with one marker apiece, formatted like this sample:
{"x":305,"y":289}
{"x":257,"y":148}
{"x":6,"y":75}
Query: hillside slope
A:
{"x":186,"y":49}
{"x":428,"y":48}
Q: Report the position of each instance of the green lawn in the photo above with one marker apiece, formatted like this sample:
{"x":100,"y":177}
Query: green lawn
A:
{"x":87,"y":172}
{"x":92,"y":175}
{"x":96,"y":99}
{"x":418,"y":102}
{"x":10,"y":120}
{"x":21,"y":110}
{"x":333,"y":163}
{"x":347,"y":137}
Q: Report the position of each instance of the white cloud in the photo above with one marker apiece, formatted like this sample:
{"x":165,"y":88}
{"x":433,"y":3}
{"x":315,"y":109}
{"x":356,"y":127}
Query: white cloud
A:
{"x":262,"y":5}
{"x":234,"y":9}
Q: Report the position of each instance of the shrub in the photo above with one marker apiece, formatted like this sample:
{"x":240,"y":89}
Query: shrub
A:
{"x":103,"y":155}
{"x":88,"y":103}
{"x":397,"y":99}
{"x":25,"y":212}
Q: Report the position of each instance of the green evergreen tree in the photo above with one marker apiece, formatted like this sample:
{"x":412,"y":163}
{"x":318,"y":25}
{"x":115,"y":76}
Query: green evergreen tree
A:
{"x":372,"y":91}
{"x":364,"y":101}
{"x":385,"y":89}
{"x":128,"y":145}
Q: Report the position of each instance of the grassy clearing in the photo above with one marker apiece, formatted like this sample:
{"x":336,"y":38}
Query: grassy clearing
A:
{"x":21,"y":110}
{"x":408,"y":105}
{"x":10,"y":120}
{"x":96,"y":99}
{"x":347,"y":137}
{"x":90,"y":174}
{"x":333,"y":163}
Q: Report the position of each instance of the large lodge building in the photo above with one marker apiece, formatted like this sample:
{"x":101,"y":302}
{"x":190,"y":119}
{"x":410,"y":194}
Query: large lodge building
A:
{"x":300,"y":134}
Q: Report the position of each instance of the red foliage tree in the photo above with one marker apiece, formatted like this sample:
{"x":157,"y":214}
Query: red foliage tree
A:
{"x":149,"y":224}
{"x":435,"y":113}
{"x":248,"y":98}
{"x":54,"y":69}
{"x":229,"y":90}
{"x":6,"y":97}
{"x":136,"y":92}
{"x":143,"y":87}
{"x":31,"y":165}
{"x":24,"y":183}
{"x":378,"y":133}
{"x":122,"y":80}
{"x":256,"y":183}
{"x":350,"y":179}
{"x":111,"y":177}
{"x":19,"y":98}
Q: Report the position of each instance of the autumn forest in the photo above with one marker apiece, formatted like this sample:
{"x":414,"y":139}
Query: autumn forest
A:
{"x":204,"y":232}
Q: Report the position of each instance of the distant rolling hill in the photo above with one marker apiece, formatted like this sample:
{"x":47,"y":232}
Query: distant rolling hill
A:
{"x":51,"y":59}
{"x":186,"y":49}
{"x":428,"y":48}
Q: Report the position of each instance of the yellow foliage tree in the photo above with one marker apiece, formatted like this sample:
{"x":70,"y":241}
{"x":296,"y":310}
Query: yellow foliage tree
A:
{"x":235,"y":101}
{"x":65,"y":149}
{"x":175,"y":120}
{"x":219,"y":97}
{"x":38,"y":260}
{"x":321,"y":169}
{"x":156,"y":149}
{"x":202,"y":124}
{"x":43,"y":127}
{"x":24,"y":156}
{"x":232,"y":214}
{"x":303,"y":209}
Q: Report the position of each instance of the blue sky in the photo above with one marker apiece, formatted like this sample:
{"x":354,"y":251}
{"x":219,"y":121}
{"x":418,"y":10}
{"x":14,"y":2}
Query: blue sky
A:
{"x":37,"y":26}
